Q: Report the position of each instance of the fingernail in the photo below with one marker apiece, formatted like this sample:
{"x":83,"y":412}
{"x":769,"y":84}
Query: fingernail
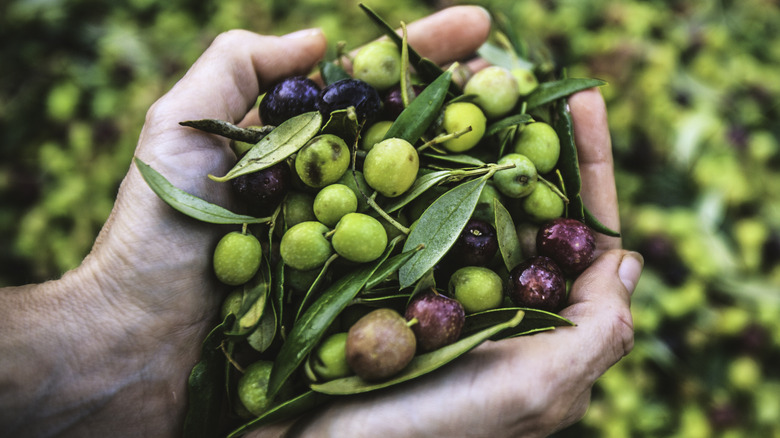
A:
{"x":486,"y":12}
{"x":304,"y":33}
{"x":630,"y":269}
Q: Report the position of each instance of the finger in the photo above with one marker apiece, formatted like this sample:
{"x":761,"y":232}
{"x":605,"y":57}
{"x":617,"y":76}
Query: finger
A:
{"x":594,"y":148}
{"x":451,"y":34}
{"x":599,"y":305}
{"x":239,"y":65}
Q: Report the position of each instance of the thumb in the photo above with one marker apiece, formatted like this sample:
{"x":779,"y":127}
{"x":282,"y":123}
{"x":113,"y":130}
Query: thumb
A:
{"x":599,"y":303}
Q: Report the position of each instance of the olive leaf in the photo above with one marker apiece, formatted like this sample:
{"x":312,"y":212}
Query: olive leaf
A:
{"x":188,"y":204}
{"x":229,"y":130}
{"x":284,"y":411}
{"x":548,"y":92}
{"x":331,"y":72}
{"x":206,"y":391}
{"x":421,"y":364}
{"x":439,"y":227}
{"x":254,"y":299}
{"x":507,"y":122}
{"x":343,"y":123}
{"x":390,"y":266}
{"x":496,"y":55}
{"x":420,"y":185}
{"x":506,"y":234}
{"x":568,"y":163}
{"x":263,"y":335}
{"x":415,"y":119}
{"x":277,"y":289}
{"x":314,"y":322}
{"x":285,"y":140}
{"x":459,"y":159}
{"x":535,"y":320}
{"x":315,"y":284}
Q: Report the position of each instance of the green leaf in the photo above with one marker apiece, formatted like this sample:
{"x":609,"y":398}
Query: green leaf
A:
{"x":597,"y":226}
{"x":535,"y":320}
{"x":265,"y":332}
{"x":506,"y":234}
{"x":282,"y":142}
{"x":420,"y":185}
{"x":438,"y":228}
{"x":284,"y":411}
{"x":550,"y":91}
{"x":188,"y":204}
{"x":206,"y":387}
{"x":568,"y":163}
{"x":508,"y":122}
{"x":229,"y":130}
{"x":389,"y":267}
{"x":313,"y":324}
{"x":343,"y":123}
{"x":331,"y":72}
{"x":495,"y":55}
{"x":420,"y":365}
{"x":415,"y":119}
{"x":459,"y":159}
{"x":254,"y":300}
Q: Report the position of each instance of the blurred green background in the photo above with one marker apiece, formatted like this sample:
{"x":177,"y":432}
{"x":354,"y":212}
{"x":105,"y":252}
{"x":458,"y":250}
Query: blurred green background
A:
{"x":694,"y":104}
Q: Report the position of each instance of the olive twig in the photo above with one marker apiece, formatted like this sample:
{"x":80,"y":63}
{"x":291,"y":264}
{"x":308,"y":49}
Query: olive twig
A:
{"x":442,"y":138}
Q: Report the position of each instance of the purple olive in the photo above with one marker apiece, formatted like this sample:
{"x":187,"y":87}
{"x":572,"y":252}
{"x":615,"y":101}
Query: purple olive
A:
{"x":569,"y":242}
{"x":394,"y":103}
{"x":476,"y":245}
{"x":439,"y":320}
{"x":289,"y":98}
{"x":264,"y":190}
{"x":350,"y":92}
{"x":537,"y":283}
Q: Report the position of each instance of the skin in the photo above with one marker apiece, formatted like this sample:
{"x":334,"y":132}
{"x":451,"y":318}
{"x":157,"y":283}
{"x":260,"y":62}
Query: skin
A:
{"x":107,"y":349}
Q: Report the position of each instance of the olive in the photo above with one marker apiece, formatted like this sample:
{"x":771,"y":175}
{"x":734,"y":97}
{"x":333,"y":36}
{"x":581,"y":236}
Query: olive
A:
{"x":476,"y":288}
{"x":569,"y":242}
{"x":380,"y":345}
{"x":359,"y":238}
{"x":263,"y":190}
{"x":540,"y":143}
{"x":518,"y":181}
{"x":391,"y":166}
{"x":304,"y":246}
{"x":542,"y":204}
{"x":253,"y":387}
{"x":476,"y":245}
{"x":333,"y":202}
{"x":237,"y":258}
{"x":439,"y":318}
{"x":394,"y":103}
{"x":378,"y":64}
{"x":351,"y":93}
{"x":458,"y":117}
{"x":374,"y":134}
{"x":496,"y":90}
{"x":289,"y":98}
{"x":329,"y":360}
{"x":538,"y":283}
{"x":322,"y":161}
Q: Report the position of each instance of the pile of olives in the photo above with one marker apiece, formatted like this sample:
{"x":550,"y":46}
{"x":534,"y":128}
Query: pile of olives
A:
{"x":464,"y":182}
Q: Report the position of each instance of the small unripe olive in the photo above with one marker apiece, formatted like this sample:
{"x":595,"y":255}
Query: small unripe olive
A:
{"x":329,"y":360}
{"x":298,"y":207}
{"x":476,"y":288}
{"x":322,"y":161}
{"x":378,"y":64}
{"x":496,"y":90}
{"x":374,"y":134}
{"x":304,"y":246}
{"x":359,"y":238}
{"x":526,"y":80}
{"x":333,"y":202}
{"x":540,"y":143}
{"x":518,"y":181}
{"x":391,"y":166}
{"x":237,"y":258}
{"x":253,"y":387}
{"x":357,"y":183}
{"x":543,"y":204}
{"x":459,"y":116}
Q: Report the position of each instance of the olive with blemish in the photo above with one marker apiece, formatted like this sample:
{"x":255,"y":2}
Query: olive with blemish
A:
{"x":322,"y":161}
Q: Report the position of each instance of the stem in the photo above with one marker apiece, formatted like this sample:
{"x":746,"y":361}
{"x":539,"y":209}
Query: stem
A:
{"x":555,"y":189}
{"x":243,"y":227}
{"x":442,"y":138}
{"x":412,"y":322}
{"x":386,"y":216}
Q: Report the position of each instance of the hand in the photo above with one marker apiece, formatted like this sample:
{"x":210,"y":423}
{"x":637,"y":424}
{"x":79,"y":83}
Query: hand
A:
{"x":107,"y":349}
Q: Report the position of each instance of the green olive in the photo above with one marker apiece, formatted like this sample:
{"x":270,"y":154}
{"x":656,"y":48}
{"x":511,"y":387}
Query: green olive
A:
{"x":253,"y":387}
{"x":540,"y":143}
{"x":374,"y":134}
{"x":333,"y":202}
{"x":391,"y":166}
{"x":543,"y":204}
{"x":476,"y":288}
{"x":329,"y":360}
{"x":359,"y":238}
{"x":458,"y":117}
{"x":518,"y":181}
{"x":304,"y":246}
{"x":237,"y":258}
{"x":496,"y":90}
{"x":322,"y":161}
{"x":378,"y":64}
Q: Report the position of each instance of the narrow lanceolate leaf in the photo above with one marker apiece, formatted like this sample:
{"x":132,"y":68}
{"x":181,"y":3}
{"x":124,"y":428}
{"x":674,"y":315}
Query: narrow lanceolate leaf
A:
{"x":283,"y":411}
{"x":254,"y":300}
{"x":568,"y":163}
{"x":438,"y":228}
{"x":508,"y":122}
{"x":458,"y":159}
{"x":207,"y":386}
{"x":229,"y":130}
{"x":415,"y":119}
{"x":421,"y":364}
{"x":314,"y":322}
{"x":420,"y":185}
{"x":188,"y":204}
{"x":282,"y":142}
{"x":506,"y":234}
{"x":389,"y":267}
{"x":550,"y":91}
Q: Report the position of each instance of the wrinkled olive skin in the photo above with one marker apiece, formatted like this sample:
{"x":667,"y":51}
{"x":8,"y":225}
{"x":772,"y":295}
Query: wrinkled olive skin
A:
{"x":289,"y":98}
{"x":537,"y":283}
{"x":569,"y":242}
{"x":440,"y":320}
{"x":380,"y":345}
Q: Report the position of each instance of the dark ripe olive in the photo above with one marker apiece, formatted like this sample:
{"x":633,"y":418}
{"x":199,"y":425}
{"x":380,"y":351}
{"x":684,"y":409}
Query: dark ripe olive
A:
{"x":569,"y":242}
{"x":394,"y":103}
{"x":264,"y":190}
{"x":350,"y":92}
{"x":439,"y":320}
{"x":476,"y":245}
{"x":289,"y":98}
{"x":537,"y":283}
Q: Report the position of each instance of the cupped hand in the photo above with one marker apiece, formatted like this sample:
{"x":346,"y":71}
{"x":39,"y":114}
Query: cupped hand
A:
{"x":149,"y":276}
